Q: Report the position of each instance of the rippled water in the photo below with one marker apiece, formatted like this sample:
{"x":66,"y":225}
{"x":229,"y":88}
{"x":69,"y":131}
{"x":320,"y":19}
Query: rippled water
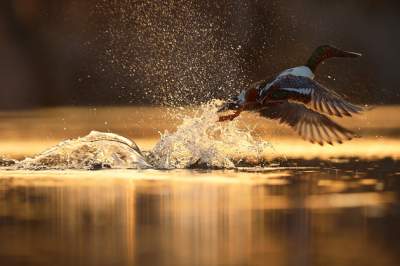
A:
{"x":341,"y":208}
{"x":331,"y":214}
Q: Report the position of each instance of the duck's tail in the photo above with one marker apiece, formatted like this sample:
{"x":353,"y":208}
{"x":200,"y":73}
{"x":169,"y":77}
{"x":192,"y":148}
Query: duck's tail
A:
{"x":327,"y":51}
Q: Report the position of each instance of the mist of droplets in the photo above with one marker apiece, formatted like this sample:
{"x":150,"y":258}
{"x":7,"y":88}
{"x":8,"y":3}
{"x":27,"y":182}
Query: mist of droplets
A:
{"x":178,"y":52}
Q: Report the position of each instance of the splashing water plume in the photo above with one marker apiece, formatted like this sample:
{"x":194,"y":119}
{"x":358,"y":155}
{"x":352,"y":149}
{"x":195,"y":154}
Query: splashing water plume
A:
{"x":201,"y":140}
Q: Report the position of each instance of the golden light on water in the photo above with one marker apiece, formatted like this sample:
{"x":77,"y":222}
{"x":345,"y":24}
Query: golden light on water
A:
{"x":316,"y":204}
{"x":24,"y":134}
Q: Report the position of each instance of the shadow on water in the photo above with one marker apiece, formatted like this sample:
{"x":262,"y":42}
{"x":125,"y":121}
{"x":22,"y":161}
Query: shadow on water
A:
{"x":309,"y":212}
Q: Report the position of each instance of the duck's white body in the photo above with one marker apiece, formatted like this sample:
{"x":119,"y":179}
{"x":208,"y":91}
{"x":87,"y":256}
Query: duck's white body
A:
{"x":301,"y":71}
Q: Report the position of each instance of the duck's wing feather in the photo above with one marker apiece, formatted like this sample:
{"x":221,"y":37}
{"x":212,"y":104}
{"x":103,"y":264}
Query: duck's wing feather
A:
{"x":313,"y":94}
{"x":309,"y":124}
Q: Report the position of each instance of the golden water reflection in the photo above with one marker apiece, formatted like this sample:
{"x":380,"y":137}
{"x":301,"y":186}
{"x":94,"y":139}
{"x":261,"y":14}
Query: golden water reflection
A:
{"x":340,"y":209}
{"x":309,"y":216}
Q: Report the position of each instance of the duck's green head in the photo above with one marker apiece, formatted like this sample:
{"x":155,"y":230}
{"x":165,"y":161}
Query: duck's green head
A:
{"x":324,"y":52}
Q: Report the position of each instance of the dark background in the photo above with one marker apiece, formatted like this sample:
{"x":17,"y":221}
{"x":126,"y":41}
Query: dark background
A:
{"x":100,"y":52}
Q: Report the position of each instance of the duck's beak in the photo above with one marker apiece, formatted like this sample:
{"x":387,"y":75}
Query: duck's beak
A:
{"x":341,"y":53}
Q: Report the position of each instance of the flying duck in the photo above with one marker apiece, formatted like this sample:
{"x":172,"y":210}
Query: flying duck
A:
{"x":294,"y":98}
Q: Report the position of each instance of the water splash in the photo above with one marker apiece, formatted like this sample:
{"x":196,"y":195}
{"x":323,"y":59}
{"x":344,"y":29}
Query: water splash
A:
{"x":201,"y":140}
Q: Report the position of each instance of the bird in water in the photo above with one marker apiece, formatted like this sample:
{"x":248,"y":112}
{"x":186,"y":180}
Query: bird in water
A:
{"x":294,"y":98}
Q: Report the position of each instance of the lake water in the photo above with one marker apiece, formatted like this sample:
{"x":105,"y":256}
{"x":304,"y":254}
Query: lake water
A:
{"x":320,"y":206}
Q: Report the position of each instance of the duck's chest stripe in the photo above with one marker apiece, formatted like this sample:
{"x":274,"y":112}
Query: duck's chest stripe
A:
{"x":303,"y":91}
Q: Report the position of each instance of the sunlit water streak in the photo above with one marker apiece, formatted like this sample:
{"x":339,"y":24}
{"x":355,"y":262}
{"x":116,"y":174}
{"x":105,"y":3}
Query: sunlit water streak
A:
{"x":26,"y":133}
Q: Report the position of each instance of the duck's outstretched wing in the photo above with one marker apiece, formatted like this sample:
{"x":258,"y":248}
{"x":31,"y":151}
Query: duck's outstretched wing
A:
{"x":309,"y":124}
{"x":311,"y":93}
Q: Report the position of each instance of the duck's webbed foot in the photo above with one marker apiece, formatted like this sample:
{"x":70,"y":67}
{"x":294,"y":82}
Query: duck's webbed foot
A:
{"x":229,"y":117}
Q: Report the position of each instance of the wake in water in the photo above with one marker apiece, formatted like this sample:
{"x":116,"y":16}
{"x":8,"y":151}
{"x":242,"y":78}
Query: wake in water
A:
{"x":97,"y":150}
{"x":200,"y":141}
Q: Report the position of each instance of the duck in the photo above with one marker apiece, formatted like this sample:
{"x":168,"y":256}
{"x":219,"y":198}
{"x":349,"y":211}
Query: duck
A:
{"x":293,"y":97}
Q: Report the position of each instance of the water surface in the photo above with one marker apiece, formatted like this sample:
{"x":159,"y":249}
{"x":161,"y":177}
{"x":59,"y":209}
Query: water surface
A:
{"x":325,"y":215}
{"x":320,"y":206}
